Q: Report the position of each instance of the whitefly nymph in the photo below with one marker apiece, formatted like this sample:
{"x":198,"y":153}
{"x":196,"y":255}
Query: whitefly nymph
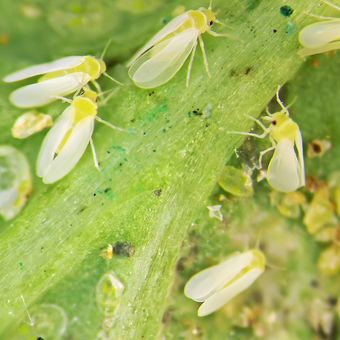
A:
{"x":166,"y":52}
{"x":286,"y":170}
{"x":321,"y":36}
{"x":67,"y":140}
{"x":217,"y":285}
{"x":15,"y":181}
{"x":57,"y":78}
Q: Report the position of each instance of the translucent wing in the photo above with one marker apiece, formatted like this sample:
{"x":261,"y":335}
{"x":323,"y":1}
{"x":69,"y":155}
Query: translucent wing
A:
{"x":320,"y":33}
{"x":72,"y":151}
{"x":53,"y":139}
{"x":299,"y":147}
{"x":162,"y":62}
{"x":57,"y":65}
{"x":208,"y":281}
{"x":45,"y":92}
{"x":169,"y":28}
{"x":283,"y":172}
{"x":223,"y":296}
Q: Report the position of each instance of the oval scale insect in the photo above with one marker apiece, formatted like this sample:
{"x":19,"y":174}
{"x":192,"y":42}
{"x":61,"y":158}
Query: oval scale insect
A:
{"x":163,"y":56}
{"x":286,"y":171}
{"x":321,"y":36}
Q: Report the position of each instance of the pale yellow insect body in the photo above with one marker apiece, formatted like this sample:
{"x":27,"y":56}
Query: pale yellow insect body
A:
{"x":286,"y":171}
{"x":217,"y":285}
{"x":57,"y":78}
{"x":163,"y":56}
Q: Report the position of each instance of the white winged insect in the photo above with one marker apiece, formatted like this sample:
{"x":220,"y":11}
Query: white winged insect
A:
{"x":57,"y":78}
{"x":321,"y":36}
{"x":162,"y":57}
{"x":286,"y":170}
{"x":67,"y":140}
{"x":217,"y":285}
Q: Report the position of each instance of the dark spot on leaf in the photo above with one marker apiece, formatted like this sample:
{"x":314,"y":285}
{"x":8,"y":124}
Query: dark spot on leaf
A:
{"x":106,"y":190}
{"x":232,"y":73}
{"x":158,"y":192}
{"x":151,"y":93}
{"x":332,"y":301}
{"x":316,"y":147}
{"x":274,"y":30}
{"x":286,"y":11}
{"x":123,"y":249}
{"x":314,"y":283}
{"x":81,"y":209}
{"x":247,"y":70}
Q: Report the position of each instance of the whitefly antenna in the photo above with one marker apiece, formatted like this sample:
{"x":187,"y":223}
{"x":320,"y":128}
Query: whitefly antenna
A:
{"x":330,"y":4}
{"x":284,"y":108}
{"x":106,"y":47}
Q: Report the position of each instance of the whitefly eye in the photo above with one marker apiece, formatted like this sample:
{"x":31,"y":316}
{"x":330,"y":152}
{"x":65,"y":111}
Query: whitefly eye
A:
{"x":211,"y":22}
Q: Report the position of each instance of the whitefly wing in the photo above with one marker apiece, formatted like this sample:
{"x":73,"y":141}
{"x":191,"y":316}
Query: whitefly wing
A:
{"x":162,"y":62}
{"x":45,"y":92}
{"x":299,"y":148}
{"x":283,"y":172}
{"x":71,"y":152}
{"x":53,"y":139}
{"x":207,"y":282}
{"x":223,"y":296}
{"x":169,"y":28}
{"x":35,"y":70}
{"x":320,"y":33}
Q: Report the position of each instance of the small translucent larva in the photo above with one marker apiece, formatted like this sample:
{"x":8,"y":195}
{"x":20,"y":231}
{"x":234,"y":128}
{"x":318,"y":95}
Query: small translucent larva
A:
{"x":30,"y":123}
{"x":321,"y":36}
{"x":286,"y":171}
{"x":15,"y":181}
{"x":162,"y":57}
{"x":109,"y":291}
{"x":217,"y":285}
{"x":67,"y":140}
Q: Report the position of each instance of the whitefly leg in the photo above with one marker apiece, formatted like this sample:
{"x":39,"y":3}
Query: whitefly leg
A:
{"x":257,"y":121}
{"x":112,"y":79}
{"x":205,"y":59}
{"x":114,"y":127}
{"x":262,"y":153}
{"x":249,"y":134}
{"x":192,"y":56}
{"x":321,"y":17}
{"x":94,"y":154}
{"x":329,"y":3}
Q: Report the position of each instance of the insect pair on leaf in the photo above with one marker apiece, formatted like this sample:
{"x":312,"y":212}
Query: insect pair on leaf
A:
{"x":67,"y":140}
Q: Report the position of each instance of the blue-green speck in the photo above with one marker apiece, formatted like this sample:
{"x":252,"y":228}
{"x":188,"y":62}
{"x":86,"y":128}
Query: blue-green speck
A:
{"x":286,"y":11}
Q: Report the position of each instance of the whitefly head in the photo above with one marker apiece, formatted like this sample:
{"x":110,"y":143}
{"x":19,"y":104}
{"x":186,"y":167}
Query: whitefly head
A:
{"x":217,"y":285}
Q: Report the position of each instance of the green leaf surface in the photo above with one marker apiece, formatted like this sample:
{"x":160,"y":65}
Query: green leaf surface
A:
{"x":154,"y":179}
